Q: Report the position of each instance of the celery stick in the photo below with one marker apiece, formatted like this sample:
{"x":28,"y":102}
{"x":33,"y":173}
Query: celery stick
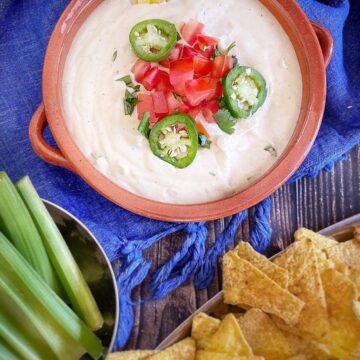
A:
{"x":59,"y":326}
{"x":6,"y":352}
{"x":17,"y":226}
{"x":64,"y":263}
{"x":19,"y":334}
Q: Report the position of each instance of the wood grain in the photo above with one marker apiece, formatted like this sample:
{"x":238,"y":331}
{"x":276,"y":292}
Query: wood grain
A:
{"x":314,"y":203}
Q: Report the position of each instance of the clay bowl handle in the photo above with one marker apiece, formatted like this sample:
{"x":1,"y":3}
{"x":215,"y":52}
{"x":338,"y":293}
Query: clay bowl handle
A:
{"x":325,"y":40}
{"x":41,"y":147}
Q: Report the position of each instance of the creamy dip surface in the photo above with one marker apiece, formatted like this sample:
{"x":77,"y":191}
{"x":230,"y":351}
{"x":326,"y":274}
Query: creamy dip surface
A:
{"x":93,"y":100}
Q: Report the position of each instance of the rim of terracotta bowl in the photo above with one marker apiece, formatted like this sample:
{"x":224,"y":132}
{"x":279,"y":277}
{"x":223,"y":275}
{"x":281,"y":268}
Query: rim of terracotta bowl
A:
{"x":310,"y":57}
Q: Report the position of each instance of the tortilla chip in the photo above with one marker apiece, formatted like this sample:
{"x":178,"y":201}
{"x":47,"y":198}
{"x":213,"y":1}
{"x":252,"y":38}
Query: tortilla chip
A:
{"x":357,"y":234}
{"x":274,"y":272}
{"x":347,"y":252}
{"x":131,"y":355}
{"x":341,"y":296}
{"x":350,"y":273}
{"x":320,"y":242}
{"x":245,"y":284}
{"x":266,"y":339}
{"x":211,"y":355}
{"x":183,"y":350}
{"x":229,"y":339}
{"x":305,"y":282}
{"x":203,"y":326}
{"x":298,"y":357}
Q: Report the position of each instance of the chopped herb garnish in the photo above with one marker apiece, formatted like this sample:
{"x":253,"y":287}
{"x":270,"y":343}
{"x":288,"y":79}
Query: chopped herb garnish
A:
{"x":178,"y":36}
{"x":219,"y":51}
{"x":222,"y":103}
{"x":130,"y":101}
{"x":178,"y":98}
{"x":271,"y":150}
{"x":204,"y":142}
{"x":129,"y":83}
{"x":229,"y":48}
{"x":143,"y":127}
{"x":114,"y":56}
{"x":225,"y":121}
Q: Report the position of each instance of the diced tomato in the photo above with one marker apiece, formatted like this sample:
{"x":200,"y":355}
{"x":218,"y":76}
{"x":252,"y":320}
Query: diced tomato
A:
{"x":196,"y":91}
{"x":194,"y":111}
{"x":219,"y":89}
{"x":209,"y":110}
{"x":202,"y":66}
{"x":207,"y":40}
{"x":160,"y":103}
{"x":151,"y":78}
{"x":145,"y":104}
{"x":190,"y":30}
{"x":183,"y":108}
{"x":201,"y":128}
{"x":174,"y":54}
{"x":204,"y":51}
{"x":222,"y":65}
{"x":173,"y":103}
{"x":181,"y":71}
{"x":139,"y":69}
{"x":189,"y":52}
{"x":163,"y":82}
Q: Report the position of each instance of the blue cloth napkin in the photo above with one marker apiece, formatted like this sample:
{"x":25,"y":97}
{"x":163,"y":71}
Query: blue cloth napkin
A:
{"x":25,"y":27}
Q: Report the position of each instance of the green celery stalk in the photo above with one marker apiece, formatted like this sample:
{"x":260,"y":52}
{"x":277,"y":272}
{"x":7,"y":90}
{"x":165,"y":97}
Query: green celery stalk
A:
{"x":62,"y":260}
{"x":17,"y":226}
{"x":63,"y":331}
{"x":6,"y":352}
{"x":19,"y":334}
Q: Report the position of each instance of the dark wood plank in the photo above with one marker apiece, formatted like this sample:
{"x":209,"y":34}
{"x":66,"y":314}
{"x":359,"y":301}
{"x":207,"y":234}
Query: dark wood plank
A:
{"x":314,"y":203}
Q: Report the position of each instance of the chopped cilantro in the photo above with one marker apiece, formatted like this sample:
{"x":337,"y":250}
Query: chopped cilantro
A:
{"x":114,"y":56}
{"x":271,"y":150}
{"x":143,"y":127}
{"x":130,"y":101}
{"x":225,"y":121}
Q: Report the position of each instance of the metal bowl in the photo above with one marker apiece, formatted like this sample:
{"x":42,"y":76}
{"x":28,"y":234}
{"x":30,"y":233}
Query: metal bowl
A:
{"x":95,"y":267}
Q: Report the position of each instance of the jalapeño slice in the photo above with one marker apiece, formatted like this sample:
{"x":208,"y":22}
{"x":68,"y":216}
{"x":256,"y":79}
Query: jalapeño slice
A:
{"x":152,"y":40}
{"x":245,"y":91}
{"x":174,"y":139}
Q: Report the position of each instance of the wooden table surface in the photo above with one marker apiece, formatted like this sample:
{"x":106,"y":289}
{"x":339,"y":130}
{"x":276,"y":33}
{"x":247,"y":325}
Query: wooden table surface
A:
{"x":314,"y":203}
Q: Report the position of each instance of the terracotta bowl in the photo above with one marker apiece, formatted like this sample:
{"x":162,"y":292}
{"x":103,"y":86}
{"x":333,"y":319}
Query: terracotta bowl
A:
{"x":313,"y":46}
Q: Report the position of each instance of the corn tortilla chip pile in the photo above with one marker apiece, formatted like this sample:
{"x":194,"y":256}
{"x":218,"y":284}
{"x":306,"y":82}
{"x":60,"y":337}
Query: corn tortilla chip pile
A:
{"x":303,"y":305}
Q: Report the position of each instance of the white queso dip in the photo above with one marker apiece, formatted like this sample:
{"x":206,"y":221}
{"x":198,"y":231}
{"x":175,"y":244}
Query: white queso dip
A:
{"x":93,"y":100}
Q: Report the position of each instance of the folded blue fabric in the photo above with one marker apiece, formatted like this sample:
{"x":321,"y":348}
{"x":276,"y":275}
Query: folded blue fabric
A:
{"x":25,"y":27}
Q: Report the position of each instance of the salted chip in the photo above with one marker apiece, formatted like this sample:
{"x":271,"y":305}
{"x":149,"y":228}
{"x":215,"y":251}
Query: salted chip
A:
{"x":274,"y":272}
{"x":357,"y":234}
{"x":211,"y":355}
{"x":131,"y":355}
{"x":203,"y":326}
{"x":266,"y":339}
{"x":183,"y":350}
{"x":298,"y":357}
{"x":245,"y":284}
{"x":320,"y":242}
{"x":347,"y":252}
{"x":229,"y":339}
{"x":350,"y":273}
{"x":305,"y":283}
{"x":341,"y":297}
